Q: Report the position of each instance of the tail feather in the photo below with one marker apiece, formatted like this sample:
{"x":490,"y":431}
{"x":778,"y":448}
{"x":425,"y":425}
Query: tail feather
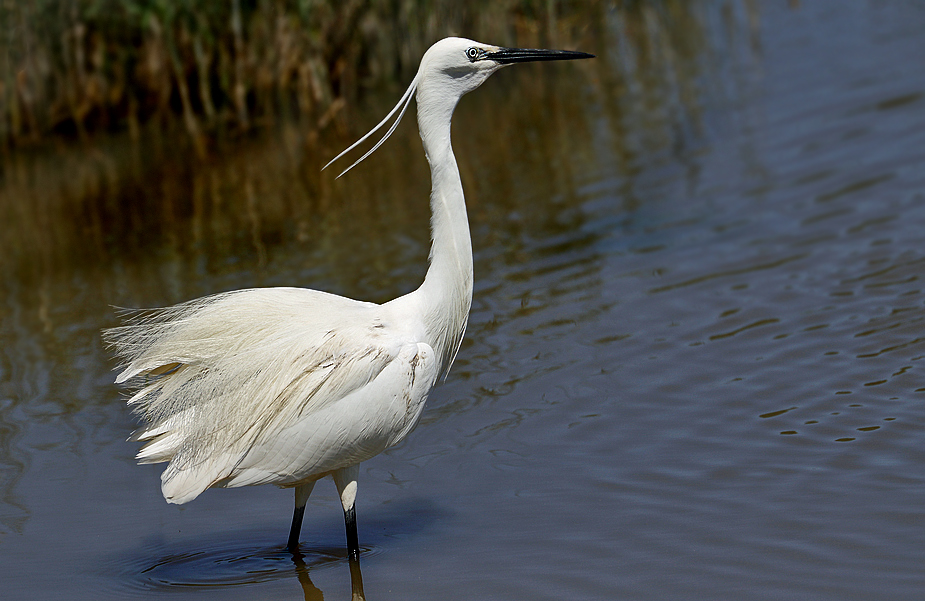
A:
{"x":214,"y":374}
{"x":182,"y":486}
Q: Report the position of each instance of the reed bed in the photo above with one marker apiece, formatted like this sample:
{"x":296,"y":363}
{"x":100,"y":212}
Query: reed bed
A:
{"x":74,"y":68}
{"x":136,"y":159}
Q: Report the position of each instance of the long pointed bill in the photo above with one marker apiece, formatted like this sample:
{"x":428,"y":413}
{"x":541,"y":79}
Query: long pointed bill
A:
{"x":507,"y":56}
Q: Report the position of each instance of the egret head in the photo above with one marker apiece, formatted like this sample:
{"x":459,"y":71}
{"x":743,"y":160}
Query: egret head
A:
{"x":466,"y":64}
{"x":451,"y":68}
{"x":455,"y":66}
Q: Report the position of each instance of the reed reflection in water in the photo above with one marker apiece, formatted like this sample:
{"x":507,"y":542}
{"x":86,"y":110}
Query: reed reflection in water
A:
{"x":694,"y":359}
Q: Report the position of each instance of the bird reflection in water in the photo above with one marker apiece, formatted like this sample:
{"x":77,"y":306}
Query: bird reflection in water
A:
{"x":313,"y":593}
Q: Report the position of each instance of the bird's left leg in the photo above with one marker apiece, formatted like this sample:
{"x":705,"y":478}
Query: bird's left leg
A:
{"x":346,"y":481}
{"x":302,"y":492}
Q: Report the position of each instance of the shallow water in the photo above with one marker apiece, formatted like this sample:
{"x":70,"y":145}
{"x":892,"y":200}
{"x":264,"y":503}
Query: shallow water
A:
{"x":693,"y":365}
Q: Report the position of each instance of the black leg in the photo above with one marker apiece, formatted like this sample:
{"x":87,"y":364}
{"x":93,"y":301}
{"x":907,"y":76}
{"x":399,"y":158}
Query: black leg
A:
{"x":353,"y":543}
{"x":293,"y":545}
{"x":346,"y":481}
{"x":302,"y":492}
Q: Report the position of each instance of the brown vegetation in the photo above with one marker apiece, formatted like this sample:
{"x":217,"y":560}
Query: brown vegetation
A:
{"x":76,"y":67}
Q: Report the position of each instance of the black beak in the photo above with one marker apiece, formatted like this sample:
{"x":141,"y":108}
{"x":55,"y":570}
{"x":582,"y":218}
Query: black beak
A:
{"x":506,"y":56}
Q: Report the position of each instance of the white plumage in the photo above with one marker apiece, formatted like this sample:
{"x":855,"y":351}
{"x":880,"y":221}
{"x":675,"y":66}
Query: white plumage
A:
{"x":271,"y":386}
{"x":287,"y":385}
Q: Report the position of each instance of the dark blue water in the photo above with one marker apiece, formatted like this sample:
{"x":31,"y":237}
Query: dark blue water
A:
{"x":693,"y":366}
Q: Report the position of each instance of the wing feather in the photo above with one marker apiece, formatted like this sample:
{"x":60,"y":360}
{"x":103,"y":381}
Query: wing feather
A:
{"x":217,"y":375}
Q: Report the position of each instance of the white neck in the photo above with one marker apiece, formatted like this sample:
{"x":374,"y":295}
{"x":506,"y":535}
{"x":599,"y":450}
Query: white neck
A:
{"x":446,"y":294}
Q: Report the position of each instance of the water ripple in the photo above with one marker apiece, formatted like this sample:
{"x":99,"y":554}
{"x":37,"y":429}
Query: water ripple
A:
{"x":219,"y":566}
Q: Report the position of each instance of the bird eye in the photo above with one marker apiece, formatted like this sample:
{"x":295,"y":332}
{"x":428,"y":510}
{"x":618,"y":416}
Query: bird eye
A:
{"x":473,"y":53}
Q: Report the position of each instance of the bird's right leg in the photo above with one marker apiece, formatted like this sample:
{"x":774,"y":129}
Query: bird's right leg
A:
{"x":302,"y":492}
{"x":346,"y":481}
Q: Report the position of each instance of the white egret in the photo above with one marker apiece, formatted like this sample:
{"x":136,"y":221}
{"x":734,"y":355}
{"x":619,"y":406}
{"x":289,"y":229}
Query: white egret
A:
{"x":288,"y":385}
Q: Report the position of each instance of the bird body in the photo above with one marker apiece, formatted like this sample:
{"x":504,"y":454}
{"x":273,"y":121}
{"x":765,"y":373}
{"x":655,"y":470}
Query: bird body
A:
{"x":288,"y":385}
{"x":276,"y":385}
